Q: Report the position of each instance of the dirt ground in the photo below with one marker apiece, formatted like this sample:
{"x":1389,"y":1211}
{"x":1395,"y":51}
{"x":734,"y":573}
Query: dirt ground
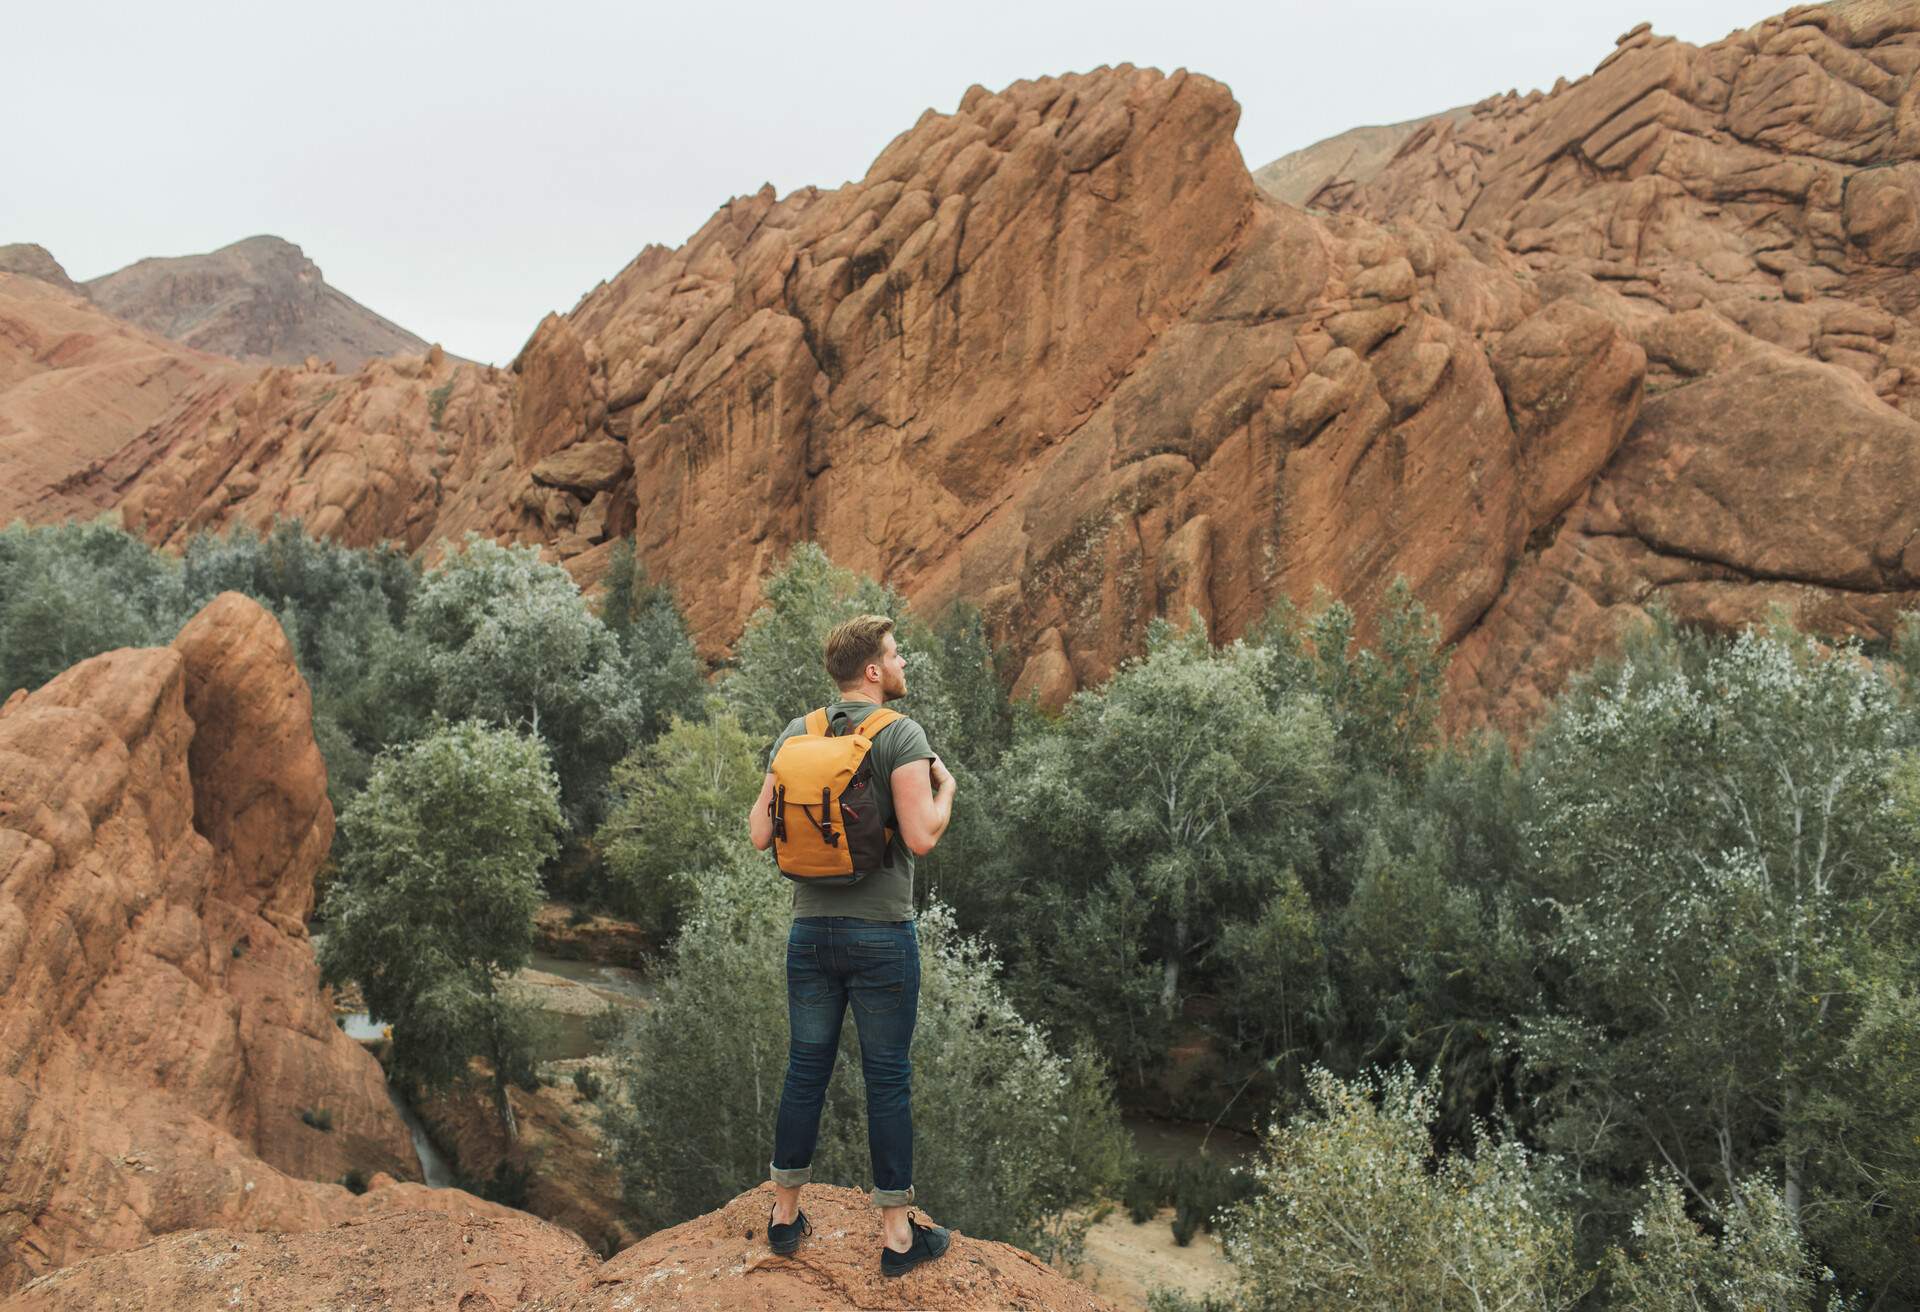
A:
{"x":1124,"y":1261}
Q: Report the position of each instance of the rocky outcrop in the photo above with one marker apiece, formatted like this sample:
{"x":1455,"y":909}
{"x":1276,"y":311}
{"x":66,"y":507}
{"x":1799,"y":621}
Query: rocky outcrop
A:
{"x":33,"y":261}
{"x":413,"y":450}
{"x":416,"y":1262}
{"x":1746,"y":212}
{"x":396,"y":1261}
{"x":76,"y":385}
{"x":260,"y":299}
{"x":167,"y":1060}
{"x":1055,"y":354}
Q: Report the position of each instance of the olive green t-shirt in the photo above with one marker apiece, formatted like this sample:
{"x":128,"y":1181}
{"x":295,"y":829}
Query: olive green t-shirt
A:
{"x":885,"y":894}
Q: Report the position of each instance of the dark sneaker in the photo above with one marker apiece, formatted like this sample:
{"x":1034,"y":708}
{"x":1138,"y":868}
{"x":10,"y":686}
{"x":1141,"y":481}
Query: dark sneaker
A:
{"x":785,"y":1238}
{"x":929,"y":1242}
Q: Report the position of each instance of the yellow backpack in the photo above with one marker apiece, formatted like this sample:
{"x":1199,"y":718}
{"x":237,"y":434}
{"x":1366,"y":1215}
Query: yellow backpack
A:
{"x":827,"y":826}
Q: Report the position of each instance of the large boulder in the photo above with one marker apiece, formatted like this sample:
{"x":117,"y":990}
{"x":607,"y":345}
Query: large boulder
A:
{"x":163,"y":812}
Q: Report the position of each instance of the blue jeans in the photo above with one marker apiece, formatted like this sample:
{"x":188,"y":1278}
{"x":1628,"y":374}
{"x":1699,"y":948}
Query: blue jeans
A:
{"x":875,"y":964}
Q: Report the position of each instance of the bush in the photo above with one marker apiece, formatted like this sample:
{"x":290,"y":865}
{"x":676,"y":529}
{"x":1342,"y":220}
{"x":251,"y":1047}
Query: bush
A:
{"x":1758,"y":1261}
{"x":677,"y":799}
{"x":319,"y":1120}
{"x":586,"y":1083}
{"x":1352,"y":1207}
{"x":1148,"y":1188}
{"x":355,"y":1180}
{"x":1202,"y":1186}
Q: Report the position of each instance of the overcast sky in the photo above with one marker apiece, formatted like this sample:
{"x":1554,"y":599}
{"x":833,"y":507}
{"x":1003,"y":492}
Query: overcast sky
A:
{"x":464,"y":168}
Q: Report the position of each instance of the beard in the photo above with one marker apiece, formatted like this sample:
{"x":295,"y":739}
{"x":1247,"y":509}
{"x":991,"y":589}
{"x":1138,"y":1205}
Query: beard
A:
{"x":893,"y":687}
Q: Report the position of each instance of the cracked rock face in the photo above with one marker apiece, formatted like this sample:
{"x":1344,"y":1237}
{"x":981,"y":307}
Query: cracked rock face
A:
{"x":1746,"y":213}
{"x":1057,"y":355}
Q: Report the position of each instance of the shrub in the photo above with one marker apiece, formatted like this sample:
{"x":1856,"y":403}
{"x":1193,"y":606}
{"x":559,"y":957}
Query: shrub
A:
{"x":1353,"y":1208}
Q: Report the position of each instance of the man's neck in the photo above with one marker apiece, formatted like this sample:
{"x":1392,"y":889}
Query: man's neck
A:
{"x":861,"y":695}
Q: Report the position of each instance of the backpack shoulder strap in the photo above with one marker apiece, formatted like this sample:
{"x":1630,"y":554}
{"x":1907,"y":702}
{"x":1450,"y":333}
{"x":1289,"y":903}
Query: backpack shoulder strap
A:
{"x":816,"y":722}
{"x":876,"y":721}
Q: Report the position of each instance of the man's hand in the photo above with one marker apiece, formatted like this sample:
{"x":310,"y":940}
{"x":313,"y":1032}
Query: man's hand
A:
{"x":941,"y":776}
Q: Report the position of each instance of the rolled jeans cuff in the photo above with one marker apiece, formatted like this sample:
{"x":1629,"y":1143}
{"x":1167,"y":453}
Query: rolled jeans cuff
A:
{"x":793,"y":1179}
{"x":893,"y":1197}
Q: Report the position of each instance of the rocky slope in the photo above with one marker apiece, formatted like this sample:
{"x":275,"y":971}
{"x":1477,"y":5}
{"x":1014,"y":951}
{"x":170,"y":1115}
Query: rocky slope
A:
{"x":76,"y":385}
{"x":413,"y":1262}
{"x":162,"y":814}
{"x":1648,"y":335}
{"x":34,"y":261}
{"x":260,"y":299}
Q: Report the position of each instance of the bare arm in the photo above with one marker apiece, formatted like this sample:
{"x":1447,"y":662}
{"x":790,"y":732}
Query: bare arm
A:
{"x":759,"y":823}
{"x":922,"y":803}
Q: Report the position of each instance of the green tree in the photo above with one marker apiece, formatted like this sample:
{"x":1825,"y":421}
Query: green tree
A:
{"x":1383,"y":697}
{"x":779,"y":670}
{"x":678,"y":801}
{"x":652,"y":633}
{"x":1009,"y":1134}
{"x":70,"y":591}
{"x":1179,"y":776}
{"x":1714,"y":833}
{"x":432,"y":907}
{"x":512,"y":642}
{"x":1354,"y":1209}
{"x":1758,"y":1260}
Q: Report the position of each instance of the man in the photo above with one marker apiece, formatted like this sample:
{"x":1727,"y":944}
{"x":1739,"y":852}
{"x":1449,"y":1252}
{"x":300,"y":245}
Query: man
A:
{"x":856,"y":943}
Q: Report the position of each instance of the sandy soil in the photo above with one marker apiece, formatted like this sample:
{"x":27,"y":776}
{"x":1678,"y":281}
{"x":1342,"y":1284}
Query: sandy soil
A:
{"x":1124,"y":1261}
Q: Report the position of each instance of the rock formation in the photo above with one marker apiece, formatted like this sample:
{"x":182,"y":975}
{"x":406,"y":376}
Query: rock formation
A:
{"x":414,"y":1262}
{"x":32,"y":261}
{"x":1748,"y":214}
{"x":1343,"y":161}
{"x":260,"y":299}
{"x":163,"y":812}
{"x":76,"y":385}
{"x":1056,"y":354}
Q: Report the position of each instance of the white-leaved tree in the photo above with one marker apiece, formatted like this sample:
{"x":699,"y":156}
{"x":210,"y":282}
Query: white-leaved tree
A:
{"x":1714,"y":825}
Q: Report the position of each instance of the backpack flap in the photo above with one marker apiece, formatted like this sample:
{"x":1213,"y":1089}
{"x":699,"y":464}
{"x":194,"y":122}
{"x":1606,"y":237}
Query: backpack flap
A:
{"x":826,"y":815}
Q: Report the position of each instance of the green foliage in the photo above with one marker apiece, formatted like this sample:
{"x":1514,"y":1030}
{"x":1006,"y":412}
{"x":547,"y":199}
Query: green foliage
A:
{"x":355,"y":1180}
{"x":1161,"y":808}
{"x":586,"y":1082}
{"x":678,"y":799}
{"x":510,"y":641}
{"x":778,"y":665}
{"x":1353,"y":1208}
{"x":1009,"y":1135}
{"x":434,"y":901}
{"x":653,"y":637}
{"x":320,"y":1119}
{"x":70,"y":591}
{"x":1714,"y":832}
{"x":437,"y":403}
{"x":1203,"y":1186}
{"x":1383,"y":697}
{"x":1758,"y":1261}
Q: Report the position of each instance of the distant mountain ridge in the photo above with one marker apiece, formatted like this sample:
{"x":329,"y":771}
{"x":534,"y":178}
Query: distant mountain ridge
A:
{"x":1355,"y":156}
{"x":258,"y":300}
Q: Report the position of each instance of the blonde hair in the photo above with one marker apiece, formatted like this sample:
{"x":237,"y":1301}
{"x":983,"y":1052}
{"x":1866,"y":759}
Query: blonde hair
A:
{"x":855,"y":644}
